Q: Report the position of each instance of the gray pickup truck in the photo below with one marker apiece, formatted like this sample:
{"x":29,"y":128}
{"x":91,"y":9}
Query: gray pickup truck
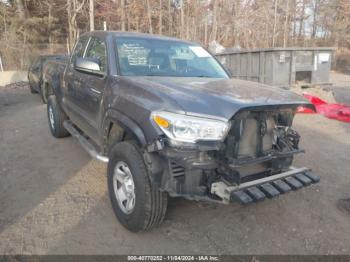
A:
{"x":166,"y":117}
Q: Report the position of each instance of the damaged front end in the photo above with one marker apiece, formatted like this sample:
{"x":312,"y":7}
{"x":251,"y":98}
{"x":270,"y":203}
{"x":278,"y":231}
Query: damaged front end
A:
{"x":252,"y":163}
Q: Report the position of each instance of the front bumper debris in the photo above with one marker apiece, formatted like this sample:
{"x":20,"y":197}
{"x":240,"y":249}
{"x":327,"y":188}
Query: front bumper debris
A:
{"x":267,"y":187}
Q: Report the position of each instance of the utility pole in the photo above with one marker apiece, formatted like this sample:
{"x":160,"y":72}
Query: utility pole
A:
{"x":91,"y":14}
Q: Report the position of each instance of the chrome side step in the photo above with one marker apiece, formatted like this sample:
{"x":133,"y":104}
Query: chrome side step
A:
{"x":267,"y":187}
{"x":85,"y":143}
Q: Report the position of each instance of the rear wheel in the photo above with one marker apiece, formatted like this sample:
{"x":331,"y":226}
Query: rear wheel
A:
{"x":137,"y":203}
{"x":32,"y":90}
{"x":56,"y":116}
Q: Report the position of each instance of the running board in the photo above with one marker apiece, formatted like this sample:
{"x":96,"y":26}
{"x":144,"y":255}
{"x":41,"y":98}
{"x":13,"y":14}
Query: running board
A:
{"x":267,"y":187}
{"x":85,"y":143}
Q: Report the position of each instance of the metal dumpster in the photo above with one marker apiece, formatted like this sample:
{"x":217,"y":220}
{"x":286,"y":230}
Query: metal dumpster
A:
{"x":280,"y":66}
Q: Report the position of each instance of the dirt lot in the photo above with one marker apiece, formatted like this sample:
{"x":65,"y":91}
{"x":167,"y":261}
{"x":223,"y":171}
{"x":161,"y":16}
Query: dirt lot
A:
{"x":53,"y":198}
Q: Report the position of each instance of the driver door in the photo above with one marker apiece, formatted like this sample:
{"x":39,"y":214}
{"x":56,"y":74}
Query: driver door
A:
{"x":93,"y":84}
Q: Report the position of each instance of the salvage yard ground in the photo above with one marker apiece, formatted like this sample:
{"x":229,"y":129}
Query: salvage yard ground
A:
{"x":53,"y":198}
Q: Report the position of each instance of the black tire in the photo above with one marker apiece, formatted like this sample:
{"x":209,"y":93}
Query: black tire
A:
{"x":43,"y":93}
{"x":150,"y":203}
{"x":56,"y":119}
{"x":32,"y":90}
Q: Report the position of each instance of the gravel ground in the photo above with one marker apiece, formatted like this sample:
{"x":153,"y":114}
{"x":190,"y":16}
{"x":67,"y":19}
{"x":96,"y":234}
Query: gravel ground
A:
{"x":341,"y":87}
{"x":53,"y":198}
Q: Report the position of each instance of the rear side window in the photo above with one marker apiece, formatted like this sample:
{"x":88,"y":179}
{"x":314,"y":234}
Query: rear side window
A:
{"x":79,"y":49}
{"x":97,"y":50}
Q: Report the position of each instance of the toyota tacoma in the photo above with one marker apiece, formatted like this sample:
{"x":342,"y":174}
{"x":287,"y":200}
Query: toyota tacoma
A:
{"x":169,"y":121}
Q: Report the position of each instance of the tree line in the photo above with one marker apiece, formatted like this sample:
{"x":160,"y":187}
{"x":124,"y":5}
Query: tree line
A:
{"x":28,"y":27}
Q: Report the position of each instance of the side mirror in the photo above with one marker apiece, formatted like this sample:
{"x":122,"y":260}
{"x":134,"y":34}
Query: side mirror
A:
{"x":88,"y":65}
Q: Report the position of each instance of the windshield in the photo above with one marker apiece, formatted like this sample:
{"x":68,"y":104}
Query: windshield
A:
{"x":154,"y":57}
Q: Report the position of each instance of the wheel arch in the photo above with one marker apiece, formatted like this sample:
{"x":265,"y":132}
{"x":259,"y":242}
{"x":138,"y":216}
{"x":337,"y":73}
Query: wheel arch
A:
{"x":51,"y":84}
{"x":118,"y":127}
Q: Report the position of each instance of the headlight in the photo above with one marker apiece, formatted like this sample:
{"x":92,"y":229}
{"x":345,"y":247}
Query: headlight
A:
{"x":184,"y":128}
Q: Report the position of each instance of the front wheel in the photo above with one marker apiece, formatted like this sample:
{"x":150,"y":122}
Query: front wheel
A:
{"x":137,"y":203}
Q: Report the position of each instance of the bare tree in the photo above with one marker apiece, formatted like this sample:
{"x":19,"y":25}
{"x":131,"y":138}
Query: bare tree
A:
{"x":92,"y":15}
{"x":170,"y":18}
{"x":73,"y":9}
{"x":242,"y":23}
{"x":122,"y":6}
{"x":214,"y":30}
{"x":182,"y":19}
{"x":22,"y":12}
{"x":274,"y":24}
{"x":149,"y":15}
{"x":286,"y":25}
{"x":160,"y":24}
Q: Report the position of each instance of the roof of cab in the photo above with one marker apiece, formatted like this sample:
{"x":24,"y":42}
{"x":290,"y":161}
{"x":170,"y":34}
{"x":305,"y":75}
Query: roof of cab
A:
{"x":101,"y":33}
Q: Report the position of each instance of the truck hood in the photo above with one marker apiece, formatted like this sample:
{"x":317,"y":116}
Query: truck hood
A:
{"x":219,"y":97}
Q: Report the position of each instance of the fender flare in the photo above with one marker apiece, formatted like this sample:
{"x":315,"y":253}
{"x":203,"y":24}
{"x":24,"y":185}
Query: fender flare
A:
{"x":129,"y":125}
{"x":53,"y":82}
{"x":56,"y":87}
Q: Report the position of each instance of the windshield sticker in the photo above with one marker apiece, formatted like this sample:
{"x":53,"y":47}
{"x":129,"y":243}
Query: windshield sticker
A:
{"x":136,"y":54}
{"x":199,"y":51}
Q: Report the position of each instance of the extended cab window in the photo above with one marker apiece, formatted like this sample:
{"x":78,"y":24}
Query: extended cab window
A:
{"x":79,"y":49}
{"x":97,"y":50}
